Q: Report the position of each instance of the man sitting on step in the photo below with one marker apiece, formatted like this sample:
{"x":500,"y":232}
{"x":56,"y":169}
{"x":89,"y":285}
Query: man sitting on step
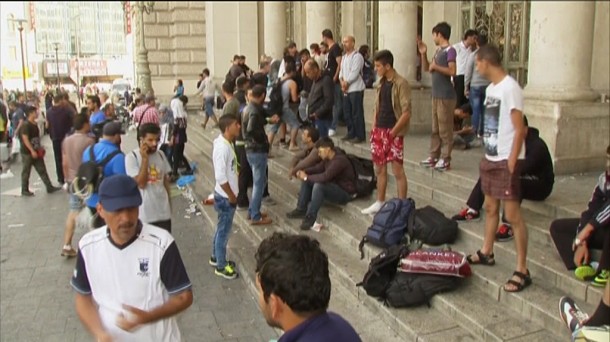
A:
{"x":309,"y":157}
{"x":333,"y":179}
{"x":537,"y":179}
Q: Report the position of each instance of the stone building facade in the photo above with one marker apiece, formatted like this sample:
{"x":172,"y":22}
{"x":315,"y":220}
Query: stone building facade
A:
{"x":557,"y":50}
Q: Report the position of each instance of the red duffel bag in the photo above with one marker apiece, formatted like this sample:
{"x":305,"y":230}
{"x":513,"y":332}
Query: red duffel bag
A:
{"x":434,"y":261}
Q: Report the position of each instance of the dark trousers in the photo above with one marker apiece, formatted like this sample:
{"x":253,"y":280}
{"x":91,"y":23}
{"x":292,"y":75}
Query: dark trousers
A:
{"x":458,"y":85}
{"x":178,"y":159}
{"x":168,"y":151}
{"x":165,"y":224}
{"x":245,"y":179}
{"x":531,"y":189}
{"x":353,"y":113}
{"x":58,"y":160}
{"x":563,"y":233}
{"x":313,"y":195}
{"x":39,"y":166}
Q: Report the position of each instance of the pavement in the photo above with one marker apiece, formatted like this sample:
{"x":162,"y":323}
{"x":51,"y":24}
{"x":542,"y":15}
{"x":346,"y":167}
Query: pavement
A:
{"x":37,"y":301}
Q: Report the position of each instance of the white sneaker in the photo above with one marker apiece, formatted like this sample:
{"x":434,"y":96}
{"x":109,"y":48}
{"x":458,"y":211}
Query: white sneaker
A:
{"x":332,"y":132}
{"x":317,"y":227}
{"x":373,"y":209}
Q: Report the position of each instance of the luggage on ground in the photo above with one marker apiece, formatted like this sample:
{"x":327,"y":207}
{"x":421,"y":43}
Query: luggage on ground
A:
{"x":432,"y":227}
{"x":439,"y":262}
{"x":382,"y":270}
{"x":412,"y":289}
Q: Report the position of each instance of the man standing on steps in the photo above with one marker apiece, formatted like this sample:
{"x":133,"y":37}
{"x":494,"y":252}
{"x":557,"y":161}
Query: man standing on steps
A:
{"x":226,"y":169}
{"x":463,"y":51}
{"x":392,"y":113}
{"x":352,"y":89}
{"x":442,"y":68}
{"x":501,"y":167}
{"x":320,"y":99}
{"x":333,"y":64}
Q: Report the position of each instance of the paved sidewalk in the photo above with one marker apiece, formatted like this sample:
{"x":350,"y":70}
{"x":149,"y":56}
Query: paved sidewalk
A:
{"x":37,"y":302}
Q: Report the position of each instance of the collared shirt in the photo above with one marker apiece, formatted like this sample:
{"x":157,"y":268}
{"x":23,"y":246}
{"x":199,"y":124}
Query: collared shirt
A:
{"x":151,"y":115}
{"x":351,"y":71}
{"x":462,"y":57}
{"x":207,"y":87}
{"x":325,"y":327}
{"x":401,"y":98}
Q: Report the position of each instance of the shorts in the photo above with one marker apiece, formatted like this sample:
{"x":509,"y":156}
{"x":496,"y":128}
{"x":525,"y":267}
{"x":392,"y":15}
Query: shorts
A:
{"x":272,"y":128}
{"x":385,"y":150}
{"x":290,"y":118}
{"x":497,"y":182}
{"x":208,"y":106}
{"x":75,"y":202}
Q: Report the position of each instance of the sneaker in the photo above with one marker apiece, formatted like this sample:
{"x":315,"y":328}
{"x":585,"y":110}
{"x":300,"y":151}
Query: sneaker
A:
{"x":585,"y":273}
{"x":228,"y":272}
{"x":263,"y":215}
{"x":262,"y":221}
{"x":53,"y":189}
{"x":213,"y":262}
{"x":68,"y":252}
{"x":27,"y":194}
{"x":602,"y":279}
{"x":429,"y":162}
{"x":571,"y":314}
{"x":467,"y":215}
{"x":269,"y":201}
{"x":242,"y":208}
{"x":332,"y":132}
{"x":296,"y":214}
{"x":442,"y":165}
{"x":373,"y":209}
{"x":504,"y":233}
{"x":308,"y":222}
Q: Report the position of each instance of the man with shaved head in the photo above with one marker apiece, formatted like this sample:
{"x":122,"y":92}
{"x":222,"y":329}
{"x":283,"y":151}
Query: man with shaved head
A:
{"x":321,"y":98}
{"x":352,"y":87}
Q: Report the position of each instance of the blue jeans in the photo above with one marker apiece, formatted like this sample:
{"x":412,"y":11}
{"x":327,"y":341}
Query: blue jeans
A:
{"x":209,"y":106}
{"x":314,"y":194}
{"x":477,"y":99}
{"x":258,"y":163}
{"x":353,"y":112}
{"x":337,"y":107}
{"x":323,"y":126}
{"x":225,"y":211}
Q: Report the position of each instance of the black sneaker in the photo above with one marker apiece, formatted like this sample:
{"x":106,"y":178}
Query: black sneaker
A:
{"x":213,"y":262}
{"x":308,"y":222}
{"x":53,"y":189}
{"x":27,"y":193}
{"x":228,"y":272}
{"x":296,"y":214}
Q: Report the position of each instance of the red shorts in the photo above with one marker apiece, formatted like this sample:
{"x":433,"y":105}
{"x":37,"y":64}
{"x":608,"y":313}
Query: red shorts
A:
{"x":385,"y":150}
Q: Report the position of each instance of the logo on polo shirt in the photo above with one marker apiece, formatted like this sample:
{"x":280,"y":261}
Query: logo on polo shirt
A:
{"x":143,"y":267}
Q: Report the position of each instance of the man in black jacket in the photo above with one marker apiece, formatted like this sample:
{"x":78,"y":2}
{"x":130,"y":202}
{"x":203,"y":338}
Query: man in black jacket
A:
{"x":321,"y":98}
{"x":256,"y":143}
{"x":537,"y":179}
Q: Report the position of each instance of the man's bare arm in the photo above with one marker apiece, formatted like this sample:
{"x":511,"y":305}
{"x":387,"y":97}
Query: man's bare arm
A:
{"x":87,"y":312}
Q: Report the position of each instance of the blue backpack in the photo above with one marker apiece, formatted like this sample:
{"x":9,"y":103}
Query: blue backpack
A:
{"x":389,"y":224}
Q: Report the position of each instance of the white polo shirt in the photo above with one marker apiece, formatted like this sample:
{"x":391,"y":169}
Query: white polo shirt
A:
{"x":143,"y":273}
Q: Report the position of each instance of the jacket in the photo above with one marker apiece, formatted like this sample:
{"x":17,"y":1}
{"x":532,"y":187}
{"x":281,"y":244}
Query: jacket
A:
{"x":253,"y":129}
{"x":538,"y":162}
{"x":303,"y":160}
{"x":338,"y":170}
{"x":598,"y":210}
{"x":401,"y":98}
{"x":321,"y":98}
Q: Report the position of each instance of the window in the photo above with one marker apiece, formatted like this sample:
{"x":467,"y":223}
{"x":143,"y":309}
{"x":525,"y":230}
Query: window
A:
{"x":11,"y":23}
{"x":12,"y":53}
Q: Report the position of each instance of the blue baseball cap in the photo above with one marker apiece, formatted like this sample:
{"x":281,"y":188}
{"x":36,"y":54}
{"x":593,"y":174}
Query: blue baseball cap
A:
{"x":119,"y":192}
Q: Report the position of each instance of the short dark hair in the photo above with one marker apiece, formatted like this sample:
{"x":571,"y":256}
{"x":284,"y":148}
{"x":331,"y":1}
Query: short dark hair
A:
{"x":84,"y":111}
{"x":228,"y":87}
{"x":179,"y":81}
{"x":95,"y":99}
{"x":138,"y":90}
{"x":206,"y":71}
{"x":29,"y":110}
{"x":225,"y":121}
{"x":58,"y":98}
{"x":241,"y":81}
{"x":184,"y":99}
{"x":235,"y":58}
{"x":466,"y":108}
{"x":294,"y":268}
{"x":324,"y":44}
{"x":525,"y":122}
{"x":258,"y":90}
{"x":384,"y":57}
{"x":291,"y":45}
{"x":442,"y":28}
{"x":290,"y":66}
{"x":313,"y":133}
{"x":304,"y":52}
{"x":149,"y":128}
{"x":482,"y":39}
{"x":242,"y":57}
{"x":312,"y":64}
{"x":469,"y":33}
{"x":325,"y":142}
{"x":200,"y":75}
{"x":79,"y":121}
{"x":327,"y":33}
{"x":315,"y":47}
{"x":491,"y":54}
{"x":263,"y":64}
{"x":364,"y":49}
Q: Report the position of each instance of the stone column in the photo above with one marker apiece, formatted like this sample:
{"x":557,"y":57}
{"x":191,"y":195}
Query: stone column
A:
{"x":275,"y":28}
{"x":320,"y":15}
{"x":560,"y":53}
{"x":398,"y":33}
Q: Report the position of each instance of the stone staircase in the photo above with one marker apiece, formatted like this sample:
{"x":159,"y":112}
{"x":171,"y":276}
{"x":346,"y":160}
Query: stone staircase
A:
{"x":480,"y":309}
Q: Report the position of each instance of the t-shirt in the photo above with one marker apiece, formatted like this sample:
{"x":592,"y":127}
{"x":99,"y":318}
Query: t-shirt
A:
{"x":155,"y":200}
{"x":144,"y":274}
{"x":499,"y":132}
{"x":442,"y":88}
{"x":231,"y":107}
{"x":116,"y":165}
{"x":60,"y":121}
{"x":97,"y":118}
{"x":386,"y":117}
{"x":331,"y":61}
{"x":325,"y":327}
{"x":225,"y":165}
{"x":73,"y":147}
{"x":17,"y":115}
{"x":31,"y":131}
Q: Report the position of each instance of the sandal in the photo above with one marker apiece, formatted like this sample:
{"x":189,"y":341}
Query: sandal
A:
{"x":526,"y":280}
{"x":483,"y":259}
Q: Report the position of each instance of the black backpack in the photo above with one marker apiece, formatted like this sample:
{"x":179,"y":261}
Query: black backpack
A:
{"x":413,"y":289}
{"x":366,"y":180}
{"x":382,"y":270}
{"x":432,"y":227}
{"x":98,"y":129}
{"x":389,"y":224}
{"x":90,"y":174}
{"x":276,"y":100}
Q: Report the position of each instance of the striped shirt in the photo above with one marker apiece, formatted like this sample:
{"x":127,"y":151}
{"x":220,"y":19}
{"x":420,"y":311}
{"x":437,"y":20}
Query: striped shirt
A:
{"x":151,"y":115}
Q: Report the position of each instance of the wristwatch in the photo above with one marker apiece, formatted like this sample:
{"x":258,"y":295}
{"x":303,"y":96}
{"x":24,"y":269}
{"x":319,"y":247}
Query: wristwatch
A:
{"x":578,"y":241}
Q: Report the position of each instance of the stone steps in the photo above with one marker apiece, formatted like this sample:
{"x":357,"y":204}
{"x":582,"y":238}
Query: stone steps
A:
{"x":348,"y":225}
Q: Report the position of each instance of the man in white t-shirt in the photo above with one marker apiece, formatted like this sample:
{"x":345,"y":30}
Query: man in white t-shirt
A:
{"x":150,"y":168}
{"x":130,"y":280}
{"x":226,"y":169}
{"x":504,"y":137}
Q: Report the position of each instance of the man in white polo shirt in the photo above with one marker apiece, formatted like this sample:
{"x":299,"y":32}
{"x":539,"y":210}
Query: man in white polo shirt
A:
{"x":129,"y":278}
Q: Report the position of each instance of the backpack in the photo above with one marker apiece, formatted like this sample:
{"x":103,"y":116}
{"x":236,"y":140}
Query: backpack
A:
{"x":389,"y":224}
{"x":436,"y":261}
{"x":98,"y":129}
{"x":276,"y":100}
{"x":382,"y":270}
{"x":411,"y":289}
{"x":366,"y":180}
{"x":90,"y":174}
{"x":432,"y":227}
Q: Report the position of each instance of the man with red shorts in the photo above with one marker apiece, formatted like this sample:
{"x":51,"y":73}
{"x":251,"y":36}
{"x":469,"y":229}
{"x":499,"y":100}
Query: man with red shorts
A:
{"x":390,"y":124}
{"x":504,"y":137}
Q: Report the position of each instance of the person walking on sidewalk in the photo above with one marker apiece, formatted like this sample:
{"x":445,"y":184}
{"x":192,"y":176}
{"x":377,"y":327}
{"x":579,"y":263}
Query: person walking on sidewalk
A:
{"x":130,"y":280}
{"x":442,"y":68}
{"x":392,"y":113}
{"x":72,"y":149}
{"x":178,"y":106}
{"x":226,"y":169}
{"x":502,"y":164}
{"x":32,"y":154}
{"x":59,"y":119}
{"x":352,"y":87}
{"x":208,"y":89}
